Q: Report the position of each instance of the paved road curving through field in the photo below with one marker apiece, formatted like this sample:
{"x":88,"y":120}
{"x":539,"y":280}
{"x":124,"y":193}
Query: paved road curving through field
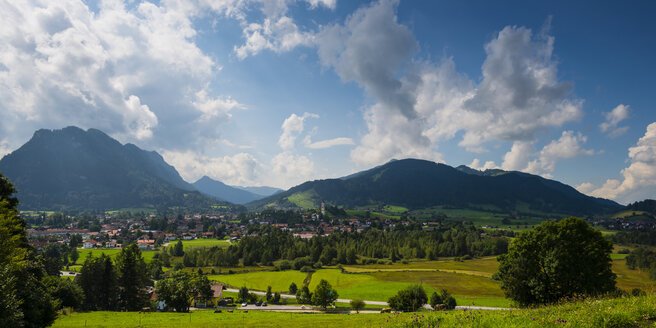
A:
{"x":342,"y":300}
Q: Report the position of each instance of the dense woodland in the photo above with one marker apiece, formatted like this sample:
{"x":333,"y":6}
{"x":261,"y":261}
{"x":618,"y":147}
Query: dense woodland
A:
{"x":346,"y":248}
{"x":635,"y":237}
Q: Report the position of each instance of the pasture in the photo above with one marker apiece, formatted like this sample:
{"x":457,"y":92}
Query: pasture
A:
{"x":111,"y":252}
{"x":197,"y":243}
{"x":621,"y":312}
{"x":278,"y":280}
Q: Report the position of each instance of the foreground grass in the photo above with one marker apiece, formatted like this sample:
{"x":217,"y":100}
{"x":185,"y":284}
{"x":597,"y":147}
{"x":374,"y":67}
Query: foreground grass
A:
{"x":621,"y":312}
{"x":225,"y":319}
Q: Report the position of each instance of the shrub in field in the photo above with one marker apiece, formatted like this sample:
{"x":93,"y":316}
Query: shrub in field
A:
{"x":357,"y":304}
{"x":409,"y":299}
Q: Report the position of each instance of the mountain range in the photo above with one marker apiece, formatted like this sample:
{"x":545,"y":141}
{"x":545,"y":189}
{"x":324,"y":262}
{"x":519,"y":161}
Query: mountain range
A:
{"x":237,"y":195}
{"x":76,"y":169}
{"x":419,"y":184}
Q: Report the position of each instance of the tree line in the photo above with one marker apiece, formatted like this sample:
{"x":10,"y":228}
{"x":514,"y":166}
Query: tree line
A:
{"x":642,"y":258}
{"x":455,"y":239}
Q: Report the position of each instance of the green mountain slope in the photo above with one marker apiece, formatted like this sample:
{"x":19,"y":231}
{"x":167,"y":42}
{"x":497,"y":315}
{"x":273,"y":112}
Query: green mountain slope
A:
{"x":77,"y":169}
{"x":418,"y":184}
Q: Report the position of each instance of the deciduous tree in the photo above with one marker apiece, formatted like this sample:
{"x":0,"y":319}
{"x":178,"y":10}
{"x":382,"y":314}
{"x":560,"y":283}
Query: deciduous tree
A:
{"x":556,"y":260}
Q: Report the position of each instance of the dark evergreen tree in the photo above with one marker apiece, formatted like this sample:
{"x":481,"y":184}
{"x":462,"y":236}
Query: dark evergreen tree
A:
{"x":98,"y":280}
{"x":24,"y":300}
{"x":132,"y":279}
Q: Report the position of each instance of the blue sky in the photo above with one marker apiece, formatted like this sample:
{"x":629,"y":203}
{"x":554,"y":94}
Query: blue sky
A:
{"x":254,"y":92}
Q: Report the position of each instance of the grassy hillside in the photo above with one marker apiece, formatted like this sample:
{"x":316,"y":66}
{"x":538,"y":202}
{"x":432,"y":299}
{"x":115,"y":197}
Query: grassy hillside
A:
{"x":412,"y":184}
{"x":622,"y":312}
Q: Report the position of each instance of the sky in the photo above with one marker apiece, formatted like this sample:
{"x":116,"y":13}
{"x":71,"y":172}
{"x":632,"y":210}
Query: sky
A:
{"x":277,"y":92}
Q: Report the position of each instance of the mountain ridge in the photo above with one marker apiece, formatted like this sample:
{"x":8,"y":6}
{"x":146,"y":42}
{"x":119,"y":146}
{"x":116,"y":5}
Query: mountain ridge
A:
{"x":417,"y":184}
{"x":74,"y":168}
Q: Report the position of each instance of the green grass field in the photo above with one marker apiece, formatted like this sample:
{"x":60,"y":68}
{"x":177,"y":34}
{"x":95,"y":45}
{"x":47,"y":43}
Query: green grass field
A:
{"x":197,"y":243}
{"x":621,"y":312}
{"x":111,"y":252}
{"x":278,"y":280}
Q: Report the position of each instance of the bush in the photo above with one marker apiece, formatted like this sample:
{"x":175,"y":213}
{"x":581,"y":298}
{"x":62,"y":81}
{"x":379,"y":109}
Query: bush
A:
{"x":357,"y":304}
{"x":293,"y":288}
{"x":283,"y":265}
{"x":300,"y":262}
{"x":443,"y":298}
{"x":448,"y":300}
{"x":435,"y":300}
{"x":307,"y":268}
{"x":638,"y":292}
{"x":409,"y":299}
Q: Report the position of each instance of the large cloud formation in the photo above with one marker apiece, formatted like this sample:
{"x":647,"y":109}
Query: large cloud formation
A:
{"x":638,"y":179}
{"x":135,"y":73}
{"x":420,"y":103}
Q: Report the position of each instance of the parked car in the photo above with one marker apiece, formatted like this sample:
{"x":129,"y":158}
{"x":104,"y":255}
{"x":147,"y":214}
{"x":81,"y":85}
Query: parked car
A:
{"x":244,"y":304}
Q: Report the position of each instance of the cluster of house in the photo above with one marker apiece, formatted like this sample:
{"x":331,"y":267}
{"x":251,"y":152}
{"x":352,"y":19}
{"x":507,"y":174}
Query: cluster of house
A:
{"x":625,"y":224}
{"x":113,"y":231}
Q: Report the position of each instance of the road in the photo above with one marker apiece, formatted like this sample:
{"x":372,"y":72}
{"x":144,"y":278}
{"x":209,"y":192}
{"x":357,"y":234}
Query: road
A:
{"x":342,"y":300}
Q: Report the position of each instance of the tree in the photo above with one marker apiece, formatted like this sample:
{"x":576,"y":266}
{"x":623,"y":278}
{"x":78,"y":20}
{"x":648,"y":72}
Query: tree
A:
{"x":74,"y":255}
{"x":178,"y":249}
{"x":132,"y":279}
{"x":52,"y":255}
{"x":435,"y":300}
{"x":66,"y":291}
{"x":409,"y":299}
{"x":276,"y":297}
{"x":97,"y":279}
{"x":269,"y":295}
{"x":304,"y":296}
{"x":75,"y":241}
{"x":357,"y":304}
{"x":293,"y":288}
{"x":448,"y":299}
{"x":24,"y":300}
{"x":243,"y":295}
{"x":324,"y":294}
{"x":179,"y":289}
{"x":556,"y":260}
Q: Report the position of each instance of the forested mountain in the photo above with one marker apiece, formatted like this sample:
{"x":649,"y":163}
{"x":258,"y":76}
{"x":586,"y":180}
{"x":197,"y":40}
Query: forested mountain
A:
{"x":222,"y":191}
{"x":73,"y":168}
{"x":647,"y":205}
{"x":420,"y":184}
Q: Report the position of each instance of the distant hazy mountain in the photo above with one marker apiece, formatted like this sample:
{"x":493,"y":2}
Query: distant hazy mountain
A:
{"x":419,"y":184}
{"x":73,"y":168}
{"x":262,"y":191}
{"x":225,"y":192}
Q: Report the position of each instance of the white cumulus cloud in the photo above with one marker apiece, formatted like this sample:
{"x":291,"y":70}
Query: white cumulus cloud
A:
{"x":292,"y":127}
{"x":638,"y":179}
{"x":613,"y":118}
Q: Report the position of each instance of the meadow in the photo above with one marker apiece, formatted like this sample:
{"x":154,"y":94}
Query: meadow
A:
{"x":198,"y":243}
{"x":278,"y":280}
{"x":469,"y":281}
{"x":621,"y":312}
{"x":111,"y":252}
